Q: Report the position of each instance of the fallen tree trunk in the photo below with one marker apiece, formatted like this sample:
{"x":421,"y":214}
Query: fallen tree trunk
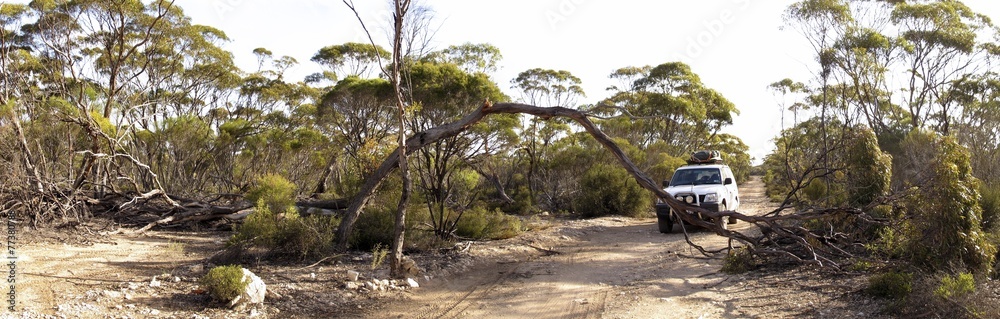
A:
{"x":776,"y":237}
{"x":192,"y":211}
{"x":432,"y":135}
{"x":418,"y":140}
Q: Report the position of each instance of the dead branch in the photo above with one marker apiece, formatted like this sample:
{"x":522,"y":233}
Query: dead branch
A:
{"x":779,"y":236}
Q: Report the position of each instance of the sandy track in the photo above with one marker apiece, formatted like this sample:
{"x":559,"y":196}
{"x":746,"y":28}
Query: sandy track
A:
{"x":106,"y":276}
{"x":605,"y":268}
{"x":610,"y":267}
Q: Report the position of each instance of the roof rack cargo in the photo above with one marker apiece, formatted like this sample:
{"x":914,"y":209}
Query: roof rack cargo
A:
{"x":705,"y":157}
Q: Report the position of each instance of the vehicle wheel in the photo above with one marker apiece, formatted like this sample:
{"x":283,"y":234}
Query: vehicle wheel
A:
{"x":730,"y":220}
{"x":723,"y":221}
{"x":666,"y":224}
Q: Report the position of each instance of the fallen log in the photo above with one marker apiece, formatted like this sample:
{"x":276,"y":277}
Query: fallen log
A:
{"x":192,"y":211}
{"x":805,"y":246}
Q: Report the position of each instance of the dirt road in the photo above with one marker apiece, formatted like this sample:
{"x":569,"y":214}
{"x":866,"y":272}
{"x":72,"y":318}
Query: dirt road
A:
{"x":610,"y":267}
{"x":603,"y":268}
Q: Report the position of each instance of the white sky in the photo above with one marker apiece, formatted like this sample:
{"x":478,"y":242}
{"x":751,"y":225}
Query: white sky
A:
{"x":735,"y":46}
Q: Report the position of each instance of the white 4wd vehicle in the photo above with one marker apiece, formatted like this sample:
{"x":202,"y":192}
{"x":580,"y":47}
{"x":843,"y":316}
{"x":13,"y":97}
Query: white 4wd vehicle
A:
{"x":704,"y":182}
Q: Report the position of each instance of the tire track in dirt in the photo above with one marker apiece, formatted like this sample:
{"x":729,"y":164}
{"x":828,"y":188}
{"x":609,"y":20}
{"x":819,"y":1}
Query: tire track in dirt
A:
{"x":58,"y":279}
{"x":609,"y":267}
{"x":567,"y":300}
{"x":476,"y":292}
{"x":595,"y":261}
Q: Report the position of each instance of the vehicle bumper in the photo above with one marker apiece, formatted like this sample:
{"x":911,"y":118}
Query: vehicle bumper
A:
{"x":664,"y":209}
{"x":714,"y":207}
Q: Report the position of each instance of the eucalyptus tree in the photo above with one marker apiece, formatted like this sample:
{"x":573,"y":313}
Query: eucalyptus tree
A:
{"x":409,"y":34}
{"x":550,"y":88}
{"x":190,"y":77}
{"x":940,"y":45}
{"x":355,"y":113}
{"x":897,"y":60}
{"x":471,"y":57}
{"x":92,"y":53}
{"x":821,"y":22}
{"x":667,"y":112}
{"x":19,"y":72}
{"x":978,"y":125}
{"x":901,"y":70}
{"x":90,"y":77}
{"x":350,"y":59}
{"x":489,"y":148}
{"x":784,"y":88}
{"x":667,"y":103}
{"x":443,"y":93}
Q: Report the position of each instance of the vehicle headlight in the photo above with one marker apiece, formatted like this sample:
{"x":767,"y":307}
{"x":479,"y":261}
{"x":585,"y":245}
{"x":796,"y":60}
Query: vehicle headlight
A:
{"x":685,"y":198}
{"x":711,"y":198}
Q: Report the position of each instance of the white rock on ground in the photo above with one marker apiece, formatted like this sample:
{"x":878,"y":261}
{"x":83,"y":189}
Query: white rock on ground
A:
{"x":412,"y":283}
{"x":112,"y":294}
{"x":255,"y":291}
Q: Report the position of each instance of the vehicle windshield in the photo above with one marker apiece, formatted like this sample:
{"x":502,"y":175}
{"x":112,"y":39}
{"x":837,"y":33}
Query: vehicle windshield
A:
{"x":696,"y":176}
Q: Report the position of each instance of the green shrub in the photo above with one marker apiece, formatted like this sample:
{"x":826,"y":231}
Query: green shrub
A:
{"x":738,"y":261}
{"x":379,"y":253}
{"x":481,"y":224}
{"x":889,"y":243}
{"x":275,"y":191}
{"x":374,"y":227}
{"x":517,"y":191}
{"x":224,"y":282}
{"x":259,"y":228}
{"x":864,"y":177}
{"x":943,"y":228}
{"x":870,"y":168}
{"x":861,"y":266}
{"x":990,"y":202}
{"x":418,"y":236}
{"x":285,"y":234}
{"x":894,"y":285}
{"x":956,"y":286}
{"x":308,"y":236}
{"x":472,"y":224}
{"x":610,"y":190}
{"x":775,"y":187}
{"x":503,"y":226}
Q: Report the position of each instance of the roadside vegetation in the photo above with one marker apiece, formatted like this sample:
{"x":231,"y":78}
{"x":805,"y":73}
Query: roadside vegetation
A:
{"x":155,"y":117}
{"x":126,"y":110}
{"x":915,"y":160}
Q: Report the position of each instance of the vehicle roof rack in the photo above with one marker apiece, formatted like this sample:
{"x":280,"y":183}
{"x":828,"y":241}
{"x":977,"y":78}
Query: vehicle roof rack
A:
{"x":705,"y":157}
